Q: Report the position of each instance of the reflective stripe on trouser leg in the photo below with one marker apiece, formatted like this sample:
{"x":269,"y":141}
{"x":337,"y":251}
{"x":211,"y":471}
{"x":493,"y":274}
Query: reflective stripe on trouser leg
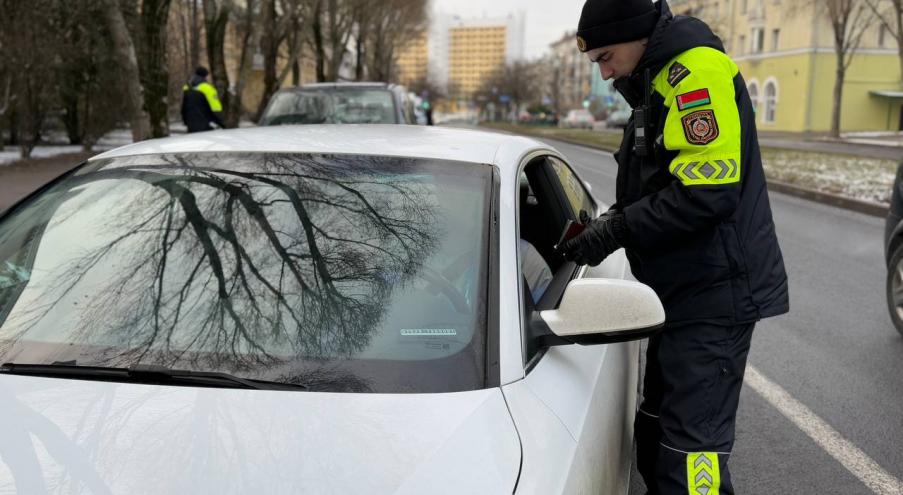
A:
{"x":702,"y":369}
{"x":703,"y":473}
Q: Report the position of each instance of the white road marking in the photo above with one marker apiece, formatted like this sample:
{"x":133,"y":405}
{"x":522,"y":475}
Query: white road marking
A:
{"x":848,"y":455}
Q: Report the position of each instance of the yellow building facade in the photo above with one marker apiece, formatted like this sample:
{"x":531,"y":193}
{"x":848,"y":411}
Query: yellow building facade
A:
{"x":475,"y":52}
{"x":785,"y":52}
{"x":412,"y":61}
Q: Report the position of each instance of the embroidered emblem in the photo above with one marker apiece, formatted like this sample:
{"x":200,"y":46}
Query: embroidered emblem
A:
{"x":581,"y":44}
{"x":700,"y":127}
{"x":677,"y":73}
{"x":693,"y":99}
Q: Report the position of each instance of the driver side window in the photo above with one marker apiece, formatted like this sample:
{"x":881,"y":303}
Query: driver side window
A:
{"x":549,"y":195}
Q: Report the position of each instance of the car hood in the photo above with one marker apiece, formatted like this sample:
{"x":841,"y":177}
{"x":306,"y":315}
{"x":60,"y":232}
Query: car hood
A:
{"x":71,"y":436}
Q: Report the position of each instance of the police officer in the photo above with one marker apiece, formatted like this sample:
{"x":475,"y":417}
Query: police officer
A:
{"x":693,"y":214}
{"x":200,"y":103}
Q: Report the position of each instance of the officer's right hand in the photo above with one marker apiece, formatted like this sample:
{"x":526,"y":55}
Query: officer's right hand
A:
{"x":595,"y":243}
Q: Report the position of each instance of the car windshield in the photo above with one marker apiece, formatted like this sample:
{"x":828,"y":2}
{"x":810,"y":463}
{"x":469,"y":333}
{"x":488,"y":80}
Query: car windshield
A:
{"x":331,"y":106}
{"x":340,"y":272}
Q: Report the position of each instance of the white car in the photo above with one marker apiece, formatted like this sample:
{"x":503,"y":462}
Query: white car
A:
{"x":577,"y":119}
{"x":315,"y":309}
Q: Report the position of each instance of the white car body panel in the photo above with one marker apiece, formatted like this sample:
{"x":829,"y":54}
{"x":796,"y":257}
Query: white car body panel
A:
{"x":565,"y":426}
{"x":71,"y":436}
{"x":591,"y":392}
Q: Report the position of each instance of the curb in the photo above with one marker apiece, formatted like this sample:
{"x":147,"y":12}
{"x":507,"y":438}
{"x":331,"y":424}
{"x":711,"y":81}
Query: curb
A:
{"x":857,"y":205}
{"x":847,"y":203}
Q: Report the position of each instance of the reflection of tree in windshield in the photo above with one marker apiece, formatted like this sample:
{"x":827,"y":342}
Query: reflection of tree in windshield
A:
{"x":231,"y":269}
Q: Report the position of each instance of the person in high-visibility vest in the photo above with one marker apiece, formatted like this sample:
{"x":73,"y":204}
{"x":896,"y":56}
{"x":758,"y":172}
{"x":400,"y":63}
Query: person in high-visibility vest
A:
{"x":693,"y":215}
{"x":201,"y":108}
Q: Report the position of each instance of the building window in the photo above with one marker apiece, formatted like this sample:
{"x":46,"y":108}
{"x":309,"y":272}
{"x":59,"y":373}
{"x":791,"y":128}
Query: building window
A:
{"x":757,"y":39}
{"x":744,"y":6}
{"x":754,"y":95}
{"x":775,"y":39}
{"x":771,"y":101}
{"x":742,"y":45}
{"x":882,"y":35}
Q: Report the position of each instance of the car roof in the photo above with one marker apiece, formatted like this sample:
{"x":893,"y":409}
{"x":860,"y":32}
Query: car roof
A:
{"x":344,"y":85}
{"x":444,"y":143}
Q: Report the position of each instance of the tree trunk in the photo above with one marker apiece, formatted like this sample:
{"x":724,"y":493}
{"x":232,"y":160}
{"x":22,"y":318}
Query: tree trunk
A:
{"x":269,"y":44}
{"x":216,"y":18}
{"x":154,"y":74}
{"x":320,"y":52}
{"x":128,"y":65}
{"x":246,"y":61}
{"x":71,"y":118}
{"x":838,"y":96}
{"x":359,"y":63}
{"x":195,"y":33}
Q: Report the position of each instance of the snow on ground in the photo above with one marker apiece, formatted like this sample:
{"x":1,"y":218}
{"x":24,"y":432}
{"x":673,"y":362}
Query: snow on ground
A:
{"x":868,"y":179}
{"x":57,"y":145}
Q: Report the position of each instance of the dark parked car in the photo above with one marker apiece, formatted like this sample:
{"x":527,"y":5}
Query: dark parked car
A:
{"x":893,"y":252}
{"x":340,"y":103}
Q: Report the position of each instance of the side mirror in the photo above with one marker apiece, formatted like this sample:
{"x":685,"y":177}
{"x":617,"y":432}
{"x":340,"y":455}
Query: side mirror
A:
{"x":602,"y":311}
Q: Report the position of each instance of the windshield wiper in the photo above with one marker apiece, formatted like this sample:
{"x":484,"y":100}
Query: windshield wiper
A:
{"x":153,"y":374}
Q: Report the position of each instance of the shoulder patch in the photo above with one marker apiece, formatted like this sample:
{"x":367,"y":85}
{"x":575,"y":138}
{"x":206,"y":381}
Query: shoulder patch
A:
{"x":701,"y":127}
{"x":677,"y":73}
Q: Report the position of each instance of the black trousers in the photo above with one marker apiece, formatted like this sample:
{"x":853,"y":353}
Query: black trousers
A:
{"x":685,"y":426}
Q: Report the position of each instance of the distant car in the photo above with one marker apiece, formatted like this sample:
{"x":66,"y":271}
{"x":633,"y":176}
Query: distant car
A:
{"x":617,"y":119}
{"x":577,"y":119}
{"x":340,"y":103}
{"x":893,"y":253}
{"x":315,"y":309}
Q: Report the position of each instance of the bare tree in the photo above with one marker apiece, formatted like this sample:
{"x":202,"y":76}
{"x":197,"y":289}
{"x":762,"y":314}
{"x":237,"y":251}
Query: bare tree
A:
{"x":332,"y":24}
{"x":29,"y":38}
{"x":152,"y":47}
{"x":281,"y":24}
{"x":89,"y":93}
{"x":128,"y":66}
{"x":849,"y":20}
{"x":512,"y":86}
{"x":889,"y":14}
{"x":390,"y":25}
{"x":217,"y":16}
{"x":5,"y":105}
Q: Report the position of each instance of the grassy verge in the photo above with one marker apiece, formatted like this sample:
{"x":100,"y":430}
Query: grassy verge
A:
{"x":863,"y":178}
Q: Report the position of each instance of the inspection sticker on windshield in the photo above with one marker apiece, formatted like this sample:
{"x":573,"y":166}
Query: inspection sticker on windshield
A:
{"x":428,"y":332}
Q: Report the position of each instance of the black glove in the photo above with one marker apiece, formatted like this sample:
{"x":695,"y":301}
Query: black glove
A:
{"x":597,"y":241}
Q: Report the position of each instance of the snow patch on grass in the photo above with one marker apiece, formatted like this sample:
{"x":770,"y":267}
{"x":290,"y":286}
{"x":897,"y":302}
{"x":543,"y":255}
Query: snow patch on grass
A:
{"x":862,"y":178}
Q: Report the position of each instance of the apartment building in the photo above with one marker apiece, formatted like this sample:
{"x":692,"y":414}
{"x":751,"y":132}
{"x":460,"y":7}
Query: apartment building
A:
{"x":785,"y":50}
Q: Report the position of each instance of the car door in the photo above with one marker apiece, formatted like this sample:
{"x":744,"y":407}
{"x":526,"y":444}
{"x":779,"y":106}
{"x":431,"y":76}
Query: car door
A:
{"x":591,"y":390}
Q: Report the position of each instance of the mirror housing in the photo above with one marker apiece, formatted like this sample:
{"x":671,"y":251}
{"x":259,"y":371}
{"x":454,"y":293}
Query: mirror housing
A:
{"x":603,"y":311}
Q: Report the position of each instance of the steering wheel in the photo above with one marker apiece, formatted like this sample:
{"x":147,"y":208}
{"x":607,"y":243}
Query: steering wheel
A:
{"x":439,"y":283}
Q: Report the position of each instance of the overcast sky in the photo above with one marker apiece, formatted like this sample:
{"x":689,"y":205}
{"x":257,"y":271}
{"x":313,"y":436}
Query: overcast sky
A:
{"x":547,"y":20}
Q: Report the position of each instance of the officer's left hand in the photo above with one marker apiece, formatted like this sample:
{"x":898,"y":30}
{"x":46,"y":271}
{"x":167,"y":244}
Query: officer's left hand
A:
{"x":595,"y":243}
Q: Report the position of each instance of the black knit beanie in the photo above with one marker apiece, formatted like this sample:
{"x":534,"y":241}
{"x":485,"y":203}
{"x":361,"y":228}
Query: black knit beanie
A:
{"x":608,"y":22}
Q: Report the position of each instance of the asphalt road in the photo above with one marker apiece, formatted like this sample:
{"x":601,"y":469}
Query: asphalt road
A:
{"x":836,"y":353}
